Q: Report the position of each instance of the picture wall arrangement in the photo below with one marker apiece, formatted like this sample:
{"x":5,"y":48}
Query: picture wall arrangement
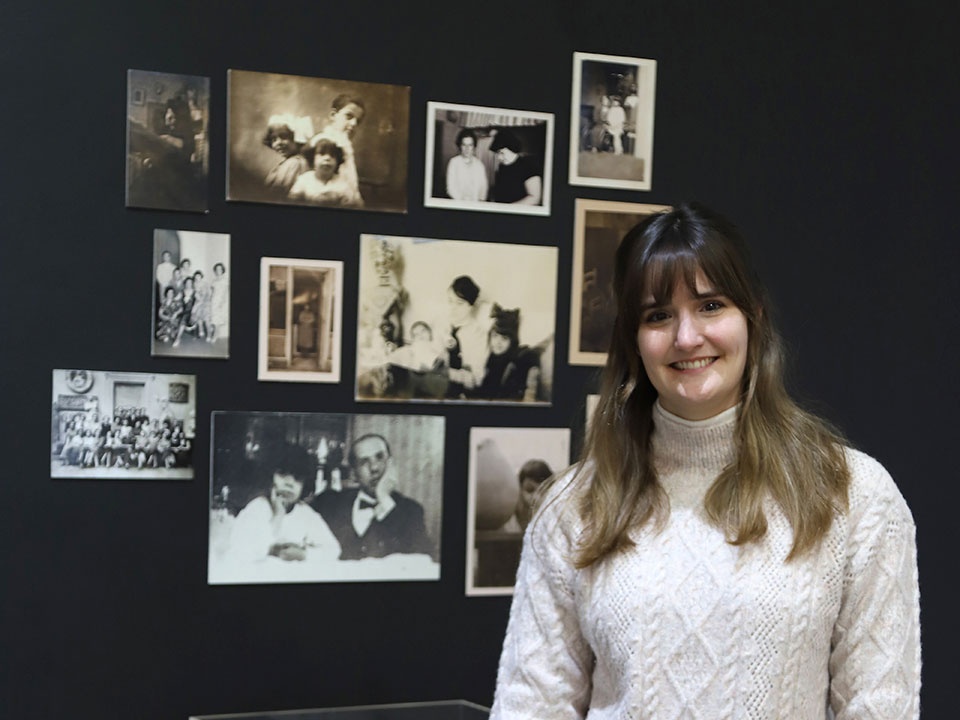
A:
{"x":299,"y":496}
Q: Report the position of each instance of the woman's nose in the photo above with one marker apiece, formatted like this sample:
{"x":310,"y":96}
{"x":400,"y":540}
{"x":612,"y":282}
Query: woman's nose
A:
{"x":689,"y":332}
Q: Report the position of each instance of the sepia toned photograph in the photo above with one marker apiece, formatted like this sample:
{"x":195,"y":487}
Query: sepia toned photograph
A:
{"x":191,"y":294}
{"x":449,"y":321}
{"x":301,"y":306}
{"x":298,"y":140}
{"x":488,"y":159}
{"x":122,"y":425}
{"x":324,"y":497}
{"x":508,"y":467}
{"x":598,"y":228}
{"x":611,"y":121}
{"x":168,"y":160}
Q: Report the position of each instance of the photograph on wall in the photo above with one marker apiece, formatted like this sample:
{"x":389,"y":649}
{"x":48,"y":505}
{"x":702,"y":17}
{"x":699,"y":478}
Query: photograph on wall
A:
{"x":297,"y":140}
{"x":168,"y":159}
{"x":301,"y":305}
{"x":507,"y":468}
{"x":191,"y":294}
{"x":122,"y":425}
{"x":324,"y":497}
{"x":455,"y":321}
{"x":488,"y":159}
{"x":611,"y":121}
{"x":598,"y":228}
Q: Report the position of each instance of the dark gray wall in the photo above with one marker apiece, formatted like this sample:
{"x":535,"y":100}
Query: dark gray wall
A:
{"x":827,"y":132}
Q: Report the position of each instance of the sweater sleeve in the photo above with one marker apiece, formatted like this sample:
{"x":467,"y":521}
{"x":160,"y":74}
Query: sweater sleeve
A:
{"x":546,"y":664}
{"x":875,"y":657}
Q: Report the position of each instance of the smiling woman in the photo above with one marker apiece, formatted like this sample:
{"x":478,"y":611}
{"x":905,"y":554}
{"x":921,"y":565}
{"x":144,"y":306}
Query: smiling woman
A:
{"x":717,"y":547}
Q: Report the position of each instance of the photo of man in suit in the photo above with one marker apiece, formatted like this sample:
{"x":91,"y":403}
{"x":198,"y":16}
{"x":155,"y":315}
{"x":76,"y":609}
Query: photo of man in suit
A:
{"x":373,"y":519}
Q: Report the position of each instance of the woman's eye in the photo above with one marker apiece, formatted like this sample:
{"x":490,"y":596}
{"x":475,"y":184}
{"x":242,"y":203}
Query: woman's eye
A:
{"x":655,"y":316}
{"x":713,"y":305}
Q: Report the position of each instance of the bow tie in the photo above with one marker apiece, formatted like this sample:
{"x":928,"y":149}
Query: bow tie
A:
{"x":366,"y":504}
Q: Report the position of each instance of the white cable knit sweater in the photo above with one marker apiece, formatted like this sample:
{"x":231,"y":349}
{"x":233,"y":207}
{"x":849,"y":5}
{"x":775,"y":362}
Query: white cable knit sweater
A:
{"x":686,"y":625}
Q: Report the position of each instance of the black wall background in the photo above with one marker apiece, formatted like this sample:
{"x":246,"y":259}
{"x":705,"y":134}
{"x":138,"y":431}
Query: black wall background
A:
{"x":829,"y":132}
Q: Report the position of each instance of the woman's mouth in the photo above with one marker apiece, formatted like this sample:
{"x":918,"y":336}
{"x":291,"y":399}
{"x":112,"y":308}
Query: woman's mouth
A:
{"x":692,"y":364}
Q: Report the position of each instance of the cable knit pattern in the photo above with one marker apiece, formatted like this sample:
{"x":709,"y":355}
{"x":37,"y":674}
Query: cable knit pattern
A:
{"x":685,"y":625}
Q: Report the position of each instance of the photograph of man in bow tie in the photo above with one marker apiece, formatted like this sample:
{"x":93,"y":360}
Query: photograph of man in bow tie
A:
{"x":373,"y":519}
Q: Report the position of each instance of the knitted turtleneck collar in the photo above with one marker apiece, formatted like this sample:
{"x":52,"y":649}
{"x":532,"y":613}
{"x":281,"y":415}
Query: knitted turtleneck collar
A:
{"x":703,"y":445}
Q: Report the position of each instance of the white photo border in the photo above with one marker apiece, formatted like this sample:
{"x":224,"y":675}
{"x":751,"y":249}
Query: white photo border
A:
{"x":263,"y":370}
{"x":520,"y":436}
{"x":543,"y":209}
{"x":646,"y":93}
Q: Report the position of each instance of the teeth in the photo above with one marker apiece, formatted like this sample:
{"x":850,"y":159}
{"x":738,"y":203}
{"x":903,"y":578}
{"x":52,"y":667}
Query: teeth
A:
{"x":692,"y":364}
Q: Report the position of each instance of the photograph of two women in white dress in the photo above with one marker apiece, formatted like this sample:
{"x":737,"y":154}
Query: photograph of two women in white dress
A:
{"x":455,"y":321}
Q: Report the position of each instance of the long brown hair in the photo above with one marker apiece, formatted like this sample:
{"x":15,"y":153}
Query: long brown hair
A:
{"x":782,"y":451}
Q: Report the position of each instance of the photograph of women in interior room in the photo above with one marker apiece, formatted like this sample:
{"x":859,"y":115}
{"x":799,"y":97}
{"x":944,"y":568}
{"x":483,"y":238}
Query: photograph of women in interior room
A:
{"x":191,"y":290}
{"x":123,"y":425}
{"x":301,"y":302}
{"x":718,"y":551}
{"x":167,"y":149}
{"x":298,"y":140}
{"x":440,"y":321}
{"x":611,"y":121}
{"x":488,"y":159}
{"x":507,"y":468}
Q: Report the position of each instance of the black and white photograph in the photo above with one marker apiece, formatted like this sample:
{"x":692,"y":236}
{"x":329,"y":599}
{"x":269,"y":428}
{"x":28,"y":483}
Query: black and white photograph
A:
{"x":168,"y":160}
{"x":598,"y":228}
{"x":191,"y":294}
{"x":296,"y":140}
{"x":301,"y":306}
{"x":455,"y":321}
{"x":508,"y":466}
{"x":122,"y":425}
{"x":324,"y":497}
{"x":611,"y":121}
{"x":488,"y":159}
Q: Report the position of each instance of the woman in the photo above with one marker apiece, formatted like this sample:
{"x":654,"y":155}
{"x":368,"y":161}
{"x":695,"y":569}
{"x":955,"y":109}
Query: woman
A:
{"x":717,"y":552}
{"x":518,"y":178}
{"x":468,"y":324}
{"x":219,"y":302}
{"x":466,"y":175}
{"x":277,"y":523}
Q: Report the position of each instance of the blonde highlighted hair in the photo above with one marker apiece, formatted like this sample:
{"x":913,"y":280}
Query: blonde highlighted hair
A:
{"x":782,"y":451}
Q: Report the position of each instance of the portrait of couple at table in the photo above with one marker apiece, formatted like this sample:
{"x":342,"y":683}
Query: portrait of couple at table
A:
{"x":281,"y":519}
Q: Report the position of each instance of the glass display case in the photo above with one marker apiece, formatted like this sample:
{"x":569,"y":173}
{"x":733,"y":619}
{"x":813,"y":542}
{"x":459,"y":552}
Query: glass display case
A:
{"x":445,"y":710}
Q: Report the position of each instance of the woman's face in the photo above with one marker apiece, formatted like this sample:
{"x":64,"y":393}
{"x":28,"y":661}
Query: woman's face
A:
{"x":169,"y":119}
{"x":694,"y":350}
{"x":499,"y":344}
{"x":218,"y":270}
{"x":467,"y":147}
{"x":347,"y":118}
{"x":459,"y":308}
{"x":188,"y":283}
{"x":287,"y":488}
